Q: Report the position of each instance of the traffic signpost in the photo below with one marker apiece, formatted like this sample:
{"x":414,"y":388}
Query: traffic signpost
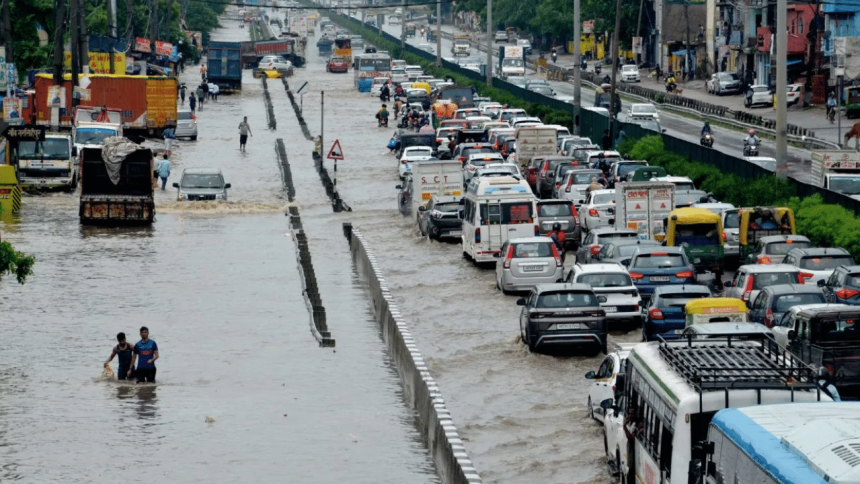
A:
{"x":335,"y":153}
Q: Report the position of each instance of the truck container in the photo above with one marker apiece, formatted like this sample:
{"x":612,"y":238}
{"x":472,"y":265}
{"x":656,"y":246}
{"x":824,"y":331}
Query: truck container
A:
{"x":435,"y":178}
{"x":535,"y":141}
{"x":512,"y":61}
{"x":147,"y":103}
{"x":837,"y":170}
{"x":644,"y":207}
{"x":49,"y":164}
{"x":224,"y":65}
{"x":129,"y":200}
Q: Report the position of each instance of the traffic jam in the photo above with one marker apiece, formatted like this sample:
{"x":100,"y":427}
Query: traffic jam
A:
{"x":733,"y":307}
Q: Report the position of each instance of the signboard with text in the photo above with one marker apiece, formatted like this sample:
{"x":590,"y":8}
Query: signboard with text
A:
{"x":142,"y":45}
{"x":99,"y":62}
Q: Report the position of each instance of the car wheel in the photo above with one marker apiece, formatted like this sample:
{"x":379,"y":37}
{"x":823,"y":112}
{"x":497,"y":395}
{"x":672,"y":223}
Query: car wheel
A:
{"x":532,"y":346}
{"x":605,"y":445}
{"x":591,"y":409}
{"x":194,"y":138}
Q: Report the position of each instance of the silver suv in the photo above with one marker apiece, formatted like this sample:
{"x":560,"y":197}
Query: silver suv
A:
{"x":526,"y":262}
{"x":201,"y":184}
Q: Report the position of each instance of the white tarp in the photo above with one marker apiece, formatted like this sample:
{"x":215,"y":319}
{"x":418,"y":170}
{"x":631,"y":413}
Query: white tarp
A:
{"x":114,"y":151}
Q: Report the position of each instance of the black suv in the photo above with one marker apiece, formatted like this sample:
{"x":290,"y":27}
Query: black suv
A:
{"x":568,"y":315}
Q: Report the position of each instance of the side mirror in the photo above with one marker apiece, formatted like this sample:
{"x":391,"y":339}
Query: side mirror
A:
{"x":399,"y":187}
{"x":590,"y":375}
{"x":625,"y":262}
{"x":175,"y":185}
{"x":792,"y":335}
{"x":729,"y":284}
{"x":601,"y":299}
{"x":227,"y":185}
{"x":821,"y":283}
{"x":521,"y":301}
{"x":606,"y":404}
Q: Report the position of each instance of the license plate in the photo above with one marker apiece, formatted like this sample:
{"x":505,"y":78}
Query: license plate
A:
{"x":569,"y":326}
{"x":455,"y":233}
{"x":659,"y":278}
{"x":532,"y":268}
{"x":610,"y":309}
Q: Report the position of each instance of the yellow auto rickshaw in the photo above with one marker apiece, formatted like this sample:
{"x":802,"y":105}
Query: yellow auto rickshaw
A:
{"x":10,"y":191}
{"x":757,"y":222}
{"x":715,"y":310}
{"x":410,"y":30}
{"x":421,"y":85}
{"x":700,"y":232}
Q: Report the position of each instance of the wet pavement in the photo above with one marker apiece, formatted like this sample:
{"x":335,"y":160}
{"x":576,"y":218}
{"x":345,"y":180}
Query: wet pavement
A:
{"x":218,"y":287}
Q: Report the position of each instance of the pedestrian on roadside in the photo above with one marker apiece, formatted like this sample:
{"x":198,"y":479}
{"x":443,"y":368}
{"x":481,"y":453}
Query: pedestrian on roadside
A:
{"x":122,"y":351}
{"x":622,"y":136}
{"x":205,"y":87}
{"x":192,"y":102}
{"x":214,"y":90}
{"x":203,"y":71}
{"x":163,"y":170}
{"x":244,"y":131}
{"x":182,"y":89}
{"x":145,"y":353}
{"x":199,"y":93}
{"x":607,"y":140}
{"x":169,"y":135}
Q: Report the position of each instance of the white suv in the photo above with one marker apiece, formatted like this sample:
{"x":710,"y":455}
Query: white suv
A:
{"x":630,"y":73}
{"x":615,"y":290}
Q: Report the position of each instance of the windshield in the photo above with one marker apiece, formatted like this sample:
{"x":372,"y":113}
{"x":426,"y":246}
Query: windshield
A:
{"x":782,"y":248}
{"x":184,"y":115}
{"x":644,"y":109}
{"x":659,"y":260}
{"x":93,"y":136}
{"x":418,"y":152}
{"x":554,"y":210}
{"x":584,"y":178}
{"x":447,"y":207}
{"x":846,"y":185}
{"x":566,"y":300}
{"x":202,"y":181}
{"x":763,"y":280}
{"x":630,"y":249}
{"x":725,"y":76}
{"x":732,"y":221}
{"x":606,"y":280}
{"x":512,"y":62}
{"x":760,"y":89}
{"x":680,"y":300}
{"x":532,"y":250}
{"x":602,"y":198}
{"x":782,"y":304}
{"x":379,"y":65}
{"x":684,"y":186}
{"x":836,"y":330}
{"x":474,"y":151}
{"x":826,"y":263}
{"x":50,"y":149}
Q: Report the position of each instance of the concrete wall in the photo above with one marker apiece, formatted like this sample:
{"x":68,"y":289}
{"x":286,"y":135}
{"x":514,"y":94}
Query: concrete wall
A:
{"x":419,"y":389}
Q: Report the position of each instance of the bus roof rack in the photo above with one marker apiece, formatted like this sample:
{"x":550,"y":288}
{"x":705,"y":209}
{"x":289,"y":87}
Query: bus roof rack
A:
{"x":732,"y":362}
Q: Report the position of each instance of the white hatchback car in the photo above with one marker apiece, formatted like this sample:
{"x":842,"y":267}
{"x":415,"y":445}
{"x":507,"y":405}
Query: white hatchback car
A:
{"x":398,"y":76}
{"x":643,"y":110}
{"x":630,"y":73}
{"x":186,"y":124}
{"x":576,"y":182}
{"x":615,"y":290}
{"x":411,"y":155}
{"x":757,"y":95}
{"x":598,"y":209}
{"x":275,"y":62}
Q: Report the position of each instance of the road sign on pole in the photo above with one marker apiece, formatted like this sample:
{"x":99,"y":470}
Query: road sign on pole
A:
{"x":336,"y":152}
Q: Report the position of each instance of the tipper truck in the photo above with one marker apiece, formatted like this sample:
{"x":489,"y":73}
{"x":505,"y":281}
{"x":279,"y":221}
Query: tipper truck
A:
{"x":224,"y":65}
{"x":535,"y":141}
{"x":644,"y":207}
{"x":117,"y":184}
{"x":838,"y":170}
{"x":511,"y":61}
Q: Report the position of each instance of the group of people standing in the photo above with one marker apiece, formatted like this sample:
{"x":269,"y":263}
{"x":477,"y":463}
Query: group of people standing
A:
{"x":144,"y":353}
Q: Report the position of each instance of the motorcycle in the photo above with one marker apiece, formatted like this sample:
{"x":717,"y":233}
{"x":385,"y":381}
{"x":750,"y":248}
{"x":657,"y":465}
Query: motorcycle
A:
{"x":707,"y":141}
{"x":831,"y":114}
{"x":583,"y":65}
{"x":751,"y":148}
{"x":597,"y":67}
{"x":381,"y":121}
{"x":554,"y":56}
{"x":670,"y":86}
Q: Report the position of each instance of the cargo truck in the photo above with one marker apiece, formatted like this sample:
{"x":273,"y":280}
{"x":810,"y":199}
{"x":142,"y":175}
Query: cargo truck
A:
{"x":837,"y":170}
{"x":224,"y":65}
{"x":644,"y":207}
{"x":512,"y":61}
{"x":122,"y":194}
{"x":436,"y":178}
{"x":535,"y":141}
{"x":147,"y":103}
{"x":288,"y":48}
{"x":49,"y":164}
{"x":91,"y":125}
{"x":461,"y":45}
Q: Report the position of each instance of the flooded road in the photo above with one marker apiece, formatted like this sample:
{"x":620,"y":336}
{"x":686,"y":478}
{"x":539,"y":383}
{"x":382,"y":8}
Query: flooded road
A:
{"x":218,"y":287}
{"x":522,"y":416}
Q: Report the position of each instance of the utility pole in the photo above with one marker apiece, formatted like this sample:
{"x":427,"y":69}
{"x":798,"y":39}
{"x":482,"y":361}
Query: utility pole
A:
{"x":111,"y":18}
{"x":639,"y":31}
{"x":688,"y":56}
{"x":83,"y":38}
{"x":153,"y":26}
{"x":577,"y":62}
{"x":612,"y":93}
{"x":74,"y":47}
{"x":403,"y":25}
{"x":7,"y":32}
{"x":781,"y":89}
{"x":438,"y":33}
{"x":489,"y":68}
{"x":168,"y":19}
{"x":59,"y":35}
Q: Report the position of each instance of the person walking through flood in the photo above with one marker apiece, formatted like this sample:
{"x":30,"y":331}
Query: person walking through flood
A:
{"x":145,"y":353}
{"x":163,"y":170}
{"x":123,"y":351}
{"x":244,"y":131}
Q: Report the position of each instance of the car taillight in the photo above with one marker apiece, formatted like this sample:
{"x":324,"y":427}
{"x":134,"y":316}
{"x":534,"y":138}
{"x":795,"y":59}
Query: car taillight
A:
{"x":592,"y":212}
{"x":478,"y":236}
{"x":748,"y":288}
{"x":765,"y":260}
{"x":656,"y":314}
{"x":724,"y":236}
{"x":569,"y":184}
{"x":636,"y":275}
{"x":574,"y":213}
{"x":684,"y":274}
{"x":537,"y":230}
{"x":768,"y":318}
{"x":555,"y":254}
{"x":461,"y":159}
{"x":806,"y":275}
{"x":846,"y":293}
{"x":595,"y":249}
{"x":508,"y":257}
{"x":402,"y":162}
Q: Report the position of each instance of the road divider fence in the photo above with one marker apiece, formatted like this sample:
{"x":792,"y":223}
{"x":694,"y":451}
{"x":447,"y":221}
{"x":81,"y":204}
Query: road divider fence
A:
{"x":286,"y":173}
{"x":310,"y":288}
{"x":302,"y":123}
{"x":270,"y":110}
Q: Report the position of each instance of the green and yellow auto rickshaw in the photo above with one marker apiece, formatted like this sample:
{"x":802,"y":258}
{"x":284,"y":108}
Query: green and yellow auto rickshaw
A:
{"x":700,"y":232}
{"x":757,"y":222}
{"x":410,"y":30}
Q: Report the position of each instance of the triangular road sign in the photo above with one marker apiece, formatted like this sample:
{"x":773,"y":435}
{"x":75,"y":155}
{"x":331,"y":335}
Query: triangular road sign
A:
{"x":336,"y":152}
{"x":638,"y":207}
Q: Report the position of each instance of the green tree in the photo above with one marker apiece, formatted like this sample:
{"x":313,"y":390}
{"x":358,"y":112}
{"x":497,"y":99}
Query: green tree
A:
{"x":15,"y":262}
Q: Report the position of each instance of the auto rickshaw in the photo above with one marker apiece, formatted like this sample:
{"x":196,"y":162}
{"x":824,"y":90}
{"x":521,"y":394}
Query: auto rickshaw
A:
{"x":410,"y":30}
{"x":700,"y":232}
{"x":10,"y":191}
{"x":715,"y":310}
{"x":421,"y":85}
{"x":758,"y":222}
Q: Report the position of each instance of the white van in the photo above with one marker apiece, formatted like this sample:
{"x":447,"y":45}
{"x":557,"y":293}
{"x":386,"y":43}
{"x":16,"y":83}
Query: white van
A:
{"x":496,"y":209}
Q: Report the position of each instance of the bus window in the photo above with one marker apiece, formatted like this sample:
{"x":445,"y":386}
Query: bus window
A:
{"x":666,"y":451}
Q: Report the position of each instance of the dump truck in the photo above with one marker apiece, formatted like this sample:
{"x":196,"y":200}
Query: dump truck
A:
{"x":837,"y":170}
{"x":644,"y":207}
{"x":117,"y":184}
{"x":461,"y":45}
{"x":224,"y":65}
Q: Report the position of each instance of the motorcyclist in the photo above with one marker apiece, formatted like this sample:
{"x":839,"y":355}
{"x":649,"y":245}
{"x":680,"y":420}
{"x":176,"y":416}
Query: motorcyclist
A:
{"x":831,"y":104}
{"x":558,"y":238}
{"x":451,"y":144}
{"x":554,"y":55}
{"x":382,"y":116}
{"x":751,"y":139}
{"x":706,"y":129}
{"x":671,"y":84}
{"x":398,"y":91}
{"x":384,"y":93}
{"x":398,"y":105}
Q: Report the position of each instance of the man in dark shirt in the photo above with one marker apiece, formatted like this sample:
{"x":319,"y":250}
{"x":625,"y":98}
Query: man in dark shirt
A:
{"x":145,"y":352}
{"x":123,"y":353}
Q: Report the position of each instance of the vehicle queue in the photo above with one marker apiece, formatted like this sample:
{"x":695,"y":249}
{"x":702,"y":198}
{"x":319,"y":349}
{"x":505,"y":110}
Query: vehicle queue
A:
{"x":780,"y":330}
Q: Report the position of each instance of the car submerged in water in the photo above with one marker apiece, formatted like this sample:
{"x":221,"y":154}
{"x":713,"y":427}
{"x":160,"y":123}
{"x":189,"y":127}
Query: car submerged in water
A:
{"x":197,"y":184}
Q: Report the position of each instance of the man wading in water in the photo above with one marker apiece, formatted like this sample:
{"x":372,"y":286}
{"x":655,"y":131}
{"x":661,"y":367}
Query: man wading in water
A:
{"x":123,"y":353}
{"x":145,"y":352}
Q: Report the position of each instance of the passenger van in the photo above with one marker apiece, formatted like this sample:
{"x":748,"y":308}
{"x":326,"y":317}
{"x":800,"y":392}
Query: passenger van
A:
{"x":673,"y":389}
{"x":496,"y":209}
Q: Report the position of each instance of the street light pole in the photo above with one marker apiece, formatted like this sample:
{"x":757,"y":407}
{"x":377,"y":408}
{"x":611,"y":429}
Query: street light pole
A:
{"x":403,"y":25}
{"x":781,"y":89}
{"x":489,"y":68}
{"x":577,"y":76}
{"x":612,"y":93}
{"x":438,"y":33}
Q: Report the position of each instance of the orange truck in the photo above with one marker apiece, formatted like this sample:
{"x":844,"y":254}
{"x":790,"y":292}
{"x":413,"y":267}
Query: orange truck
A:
{"x":148,"y":103}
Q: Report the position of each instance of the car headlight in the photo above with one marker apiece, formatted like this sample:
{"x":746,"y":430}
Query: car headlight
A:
{"x":180,"y":196}
{"x":220,"y":196}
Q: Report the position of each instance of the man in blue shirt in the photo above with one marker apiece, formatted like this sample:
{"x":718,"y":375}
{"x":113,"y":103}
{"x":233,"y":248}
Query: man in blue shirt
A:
{"x":145,"y":353}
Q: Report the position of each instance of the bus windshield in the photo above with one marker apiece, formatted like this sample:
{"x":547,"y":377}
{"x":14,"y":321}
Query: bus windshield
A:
{"x":374,"y":64}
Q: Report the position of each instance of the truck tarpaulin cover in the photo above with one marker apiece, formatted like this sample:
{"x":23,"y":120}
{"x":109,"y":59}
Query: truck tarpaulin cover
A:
{"x":114,"y":151}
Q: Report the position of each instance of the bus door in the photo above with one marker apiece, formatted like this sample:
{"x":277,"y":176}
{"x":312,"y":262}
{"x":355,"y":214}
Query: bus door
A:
{"x":494,"y":222}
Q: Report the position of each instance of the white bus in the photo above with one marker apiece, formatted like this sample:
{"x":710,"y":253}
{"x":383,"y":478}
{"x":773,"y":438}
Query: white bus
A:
{"x":370,"y":66}
{"x":801,"y":443}
{"x":496,"y":209}
{"x":673,"y":389}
